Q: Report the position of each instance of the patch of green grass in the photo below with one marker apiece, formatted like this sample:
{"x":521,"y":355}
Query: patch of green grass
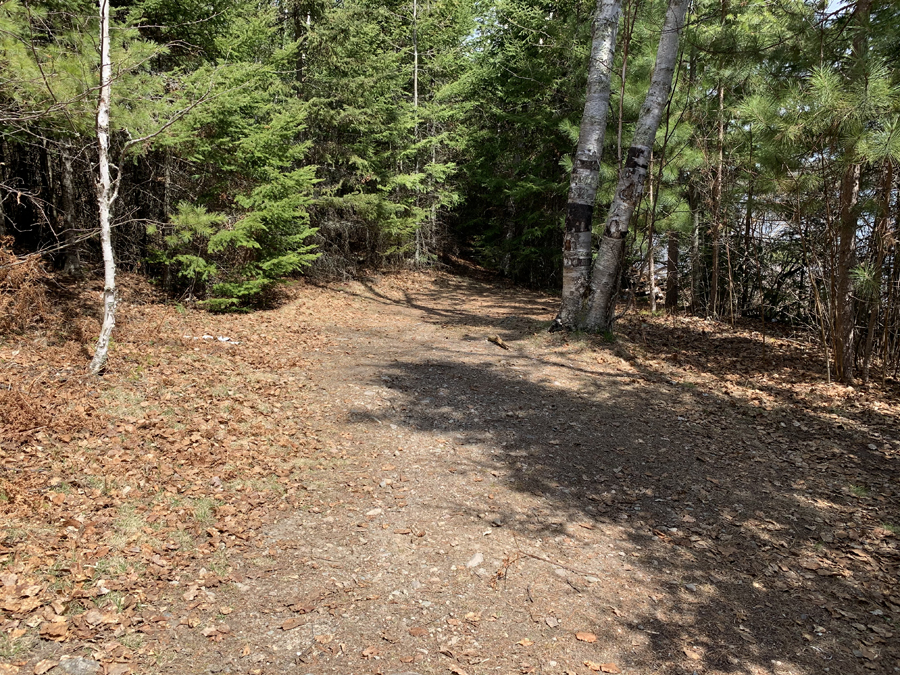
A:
{"x":170,"y":413}
{"x":110,"y":485}
{"x":111,"y":566}
{"x":12,"y":648}
{"x":127,"y":525}
{"x":59,"y":573}
{"x":4,"y":498}
{"x":204,"y":509}
{"x":94,"y":482}
{"x":270,"y":484}
{"x":262,"y":484}
{"x":132,"y":641}
{"x":14,"y":534}
{"x":128,"y":401}
{"x":859,"y":491}
{"x":220,"y":391}
{"x":129,"y":521}
{"x":183,"y":539}
{"x":116,"y":599}
{"x":890,"y":527}
{"x":219,"y":564}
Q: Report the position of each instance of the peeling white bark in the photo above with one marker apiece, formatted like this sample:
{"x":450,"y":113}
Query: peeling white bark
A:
{"x":601,"y":304}
{"x":106,"y":196}
{"x":585,"y":176}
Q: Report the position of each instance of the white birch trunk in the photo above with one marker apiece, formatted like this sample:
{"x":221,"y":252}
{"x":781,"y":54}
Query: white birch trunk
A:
{"x":105,"y":197}
{"x":601,"y":304}
{"x":585,"y":176}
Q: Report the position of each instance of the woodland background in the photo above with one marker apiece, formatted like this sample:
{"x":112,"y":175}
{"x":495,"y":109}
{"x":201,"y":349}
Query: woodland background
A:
{"x":291,"y":136}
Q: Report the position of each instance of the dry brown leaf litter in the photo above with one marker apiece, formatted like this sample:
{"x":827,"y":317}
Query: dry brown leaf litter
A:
{"x":694,"y":501}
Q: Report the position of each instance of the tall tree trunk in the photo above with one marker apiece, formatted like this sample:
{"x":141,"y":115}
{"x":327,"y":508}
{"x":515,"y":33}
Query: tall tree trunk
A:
{"x":585,"y":176}
{"x":630,"y":20}
{"x":745,"y":267}
{"x":4,"y":164}
{"x":654,"y":199}
{"x":879,"y":235}
{"x":651,"y":270}
{"x":890,"y":332}
{"x":746,"y":254}
{"x":717,"y":228}
{"x":694,"y":204}
{"x":651,"y":221}
{"x":672,"y":282}
{"x":601,"y":305}
{"x":844,"y":310}
{"x":72,"y":265}
{"x":105,"y":197}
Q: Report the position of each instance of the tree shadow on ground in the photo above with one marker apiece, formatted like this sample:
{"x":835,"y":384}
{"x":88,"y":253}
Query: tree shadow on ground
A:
{"x":772,"y":544}
{"x":448,"y":302}
{"x":779,"y":370}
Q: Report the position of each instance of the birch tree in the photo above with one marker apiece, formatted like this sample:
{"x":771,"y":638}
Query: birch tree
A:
{"x":601,"y":304}
{"x":585,"y":175}
{"x":151,"y":112}
{"x":106,"y":195}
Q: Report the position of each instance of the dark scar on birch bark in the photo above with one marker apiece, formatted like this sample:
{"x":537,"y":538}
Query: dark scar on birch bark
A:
{"x":578,"y":217}
{"x":586,"y":165}
{"x":612,"y":231}
{"x":635,"y":155}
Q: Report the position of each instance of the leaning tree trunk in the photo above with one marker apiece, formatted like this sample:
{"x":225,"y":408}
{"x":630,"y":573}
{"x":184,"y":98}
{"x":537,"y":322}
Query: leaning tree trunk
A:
{"x":601,"y":304}
{"x":105,"y":197}
{"x":585,"y":176}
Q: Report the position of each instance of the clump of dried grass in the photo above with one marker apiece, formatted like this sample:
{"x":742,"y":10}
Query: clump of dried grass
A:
{"x":19,"y":412}
{"x":23,"y":296}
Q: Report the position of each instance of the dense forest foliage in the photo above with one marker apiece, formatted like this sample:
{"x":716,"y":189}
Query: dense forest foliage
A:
{"x":250,"y":141}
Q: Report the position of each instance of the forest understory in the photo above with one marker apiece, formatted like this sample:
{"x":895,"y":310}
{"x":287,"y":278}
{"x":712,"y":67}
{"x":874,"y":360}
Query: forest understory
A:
{"x":364,"y":480}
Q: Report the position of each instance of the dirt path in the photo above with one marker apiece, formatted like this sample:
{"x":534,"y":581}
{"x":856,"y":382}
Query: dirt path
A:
{"x":563,"y":506}
{"x":478,"y":508}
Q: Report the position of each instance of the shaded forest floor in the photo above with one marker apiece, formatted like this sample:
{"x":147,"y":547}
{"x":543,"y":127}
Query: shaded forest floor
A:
{"x":360,"y":482}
